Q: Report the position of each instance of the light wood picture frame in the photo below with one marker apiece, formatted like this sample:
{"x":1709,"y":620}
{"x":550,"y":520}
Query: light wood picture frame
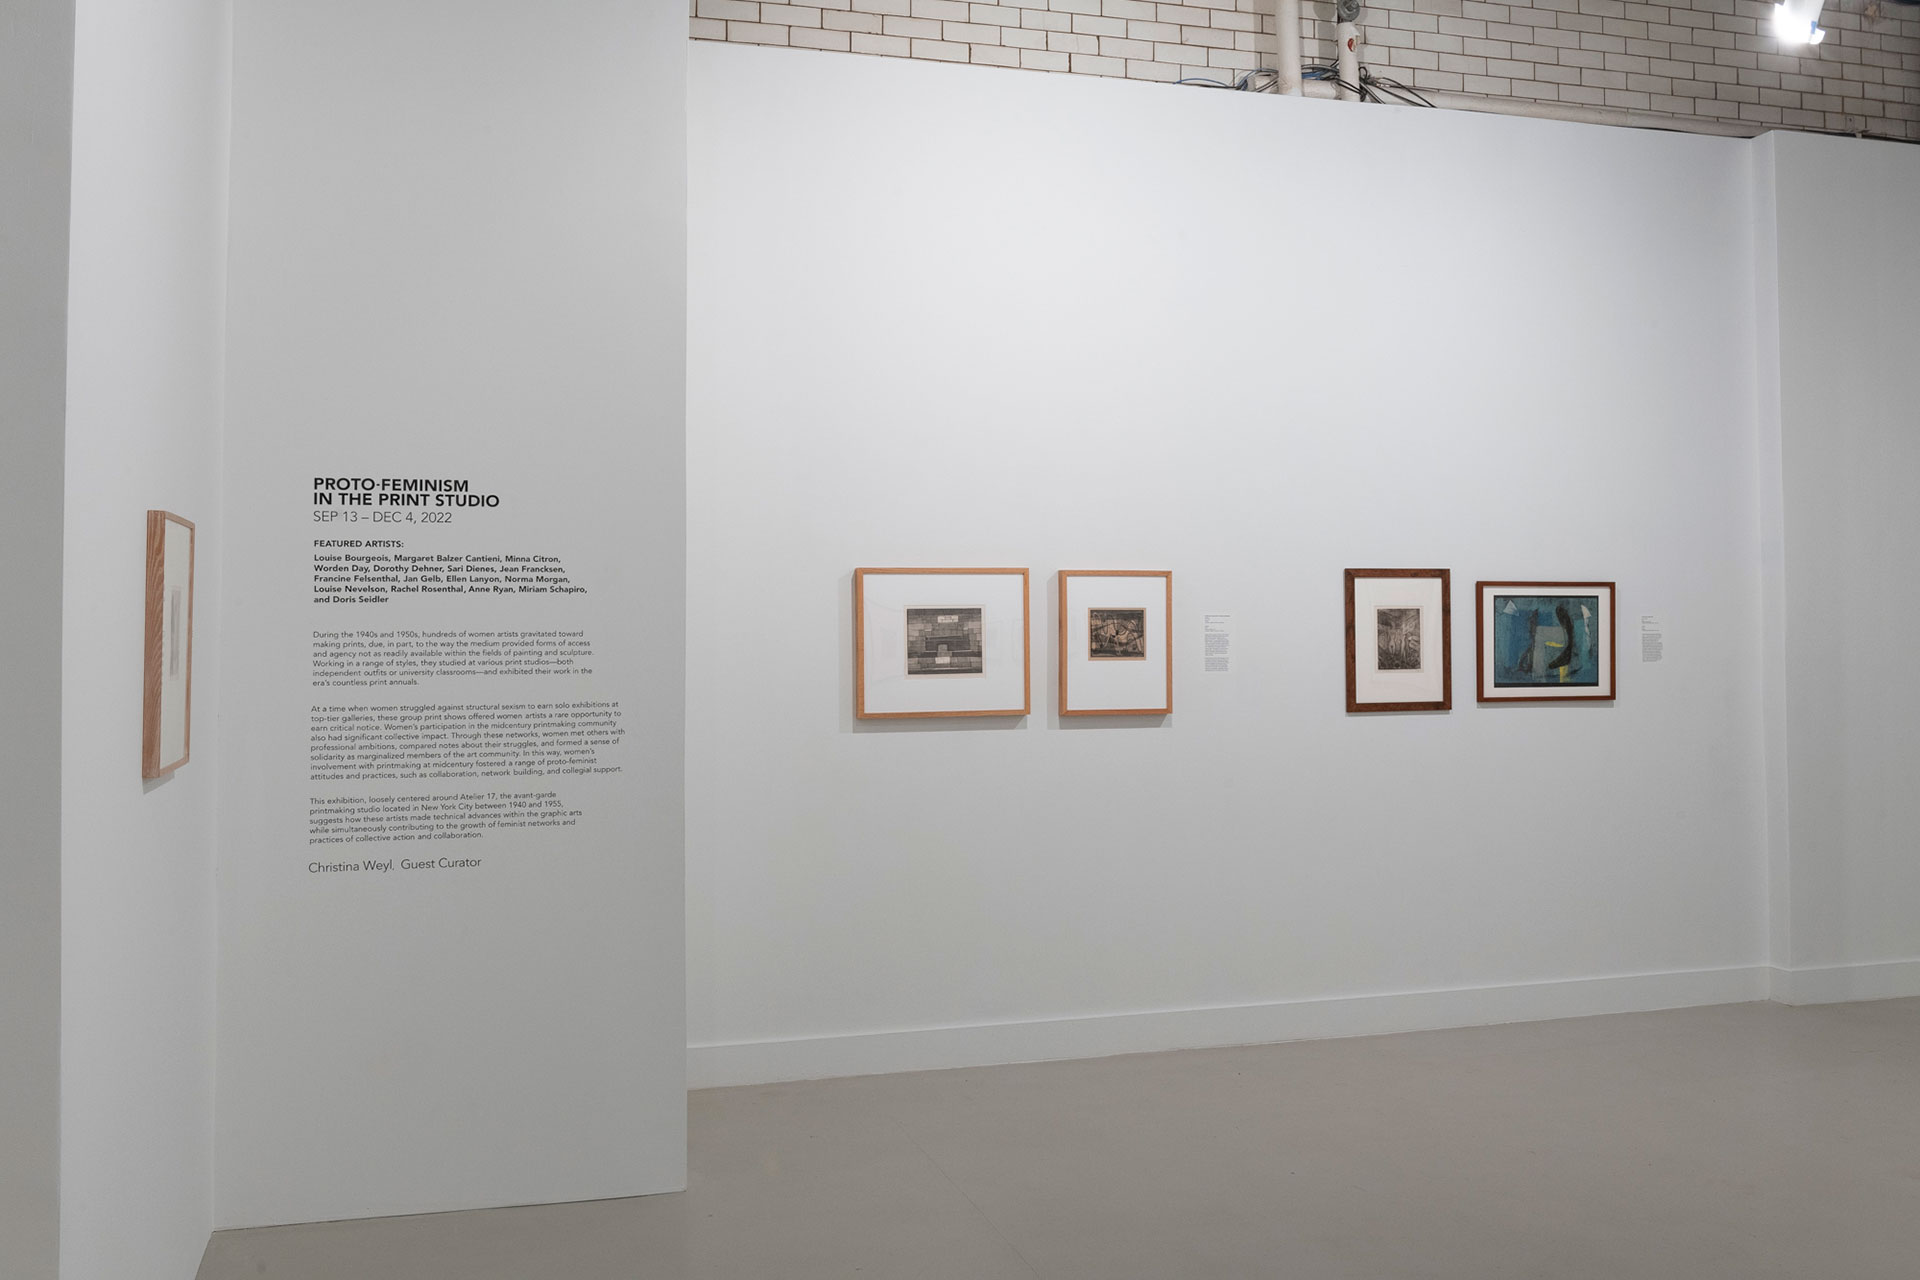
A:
{"x":1399,"y":640}
{"x":941,"y":642}
{"x":166,"y":739}
{"x":1116,"y":642}
{"x":1539,"y":641}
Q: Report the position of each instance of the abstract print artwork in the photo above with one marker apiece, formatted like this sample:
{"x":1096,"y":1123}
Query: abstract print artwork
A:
{"x":1545,"y":641}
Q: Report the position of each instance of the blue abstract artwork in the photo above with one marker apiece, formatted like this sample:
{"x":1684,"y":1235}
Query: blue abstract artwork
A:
{"x":1545,"y":640}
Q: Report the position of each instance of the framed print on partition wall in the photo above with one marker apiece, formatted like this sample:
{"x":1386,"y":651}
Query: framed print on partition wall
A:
{"x":1544,"y":641}
{"x":1399,"y":640}
{"x":940,"y":642}
{"x":1116,"y":642}
{"x":167,"y":694}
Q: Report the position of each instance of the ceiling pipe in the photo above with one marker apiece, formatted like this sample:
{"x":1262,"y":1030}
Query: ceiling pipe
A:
{"x":1287,"y":27}
{"x":1566,"y":111}
{"x":1346,"y":55}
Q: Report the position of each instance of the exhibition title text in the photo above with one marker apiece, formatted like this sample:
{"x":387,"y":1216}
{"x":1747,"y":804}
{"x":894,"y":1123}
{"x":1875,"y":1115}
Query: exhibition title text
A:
{"x":393,"y":491}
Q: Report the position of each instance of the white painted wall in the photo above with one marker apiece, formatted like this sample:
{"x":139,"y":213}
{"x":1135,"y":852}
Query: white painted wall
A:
{"x":458,"y":249}
{"x":144,"y":410}
{"x":945,"y":317}
{"x":1848,"y":273}
{"x":36,"y":96}
{"x":1771,"y":540}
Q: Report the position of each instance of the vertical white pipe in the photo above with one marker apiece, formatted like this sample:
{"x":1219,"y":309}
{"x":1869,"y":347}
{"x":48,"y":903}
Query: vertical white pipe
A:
{"x":1287,"y":61}
{"x":1347,"y":58}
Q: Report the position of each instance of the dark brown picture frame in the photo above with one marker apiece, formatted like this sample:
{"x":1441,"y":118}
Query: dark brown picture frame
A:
{"x":1445,"y":701}
{"x":1531,"y":586}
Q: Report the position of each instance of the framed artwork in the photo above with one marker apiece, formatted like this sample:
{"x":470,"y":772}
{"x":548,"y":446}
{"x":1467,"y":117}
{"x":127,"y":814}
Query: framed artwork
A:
{"x":940,"y":642}
{"x":1399,"y":640}
{"x":1545,"y":641}
{"x":1116,"y":642}
{"x":167,"y":694}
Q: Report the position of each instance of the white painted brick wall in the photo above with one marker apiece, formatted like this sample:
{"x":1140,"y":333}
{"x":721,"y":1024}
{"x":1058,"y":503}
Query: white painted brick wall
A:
{"x":1703,"y":60}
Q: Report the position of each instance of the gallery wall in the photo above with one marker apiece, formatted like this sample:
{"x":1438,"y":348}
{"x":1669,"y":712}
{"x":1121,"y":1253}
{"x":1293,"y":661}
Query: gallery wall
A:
{"x":458,"y":251}
{"x":946,"y":318}
{"x":36,"y":97}
{"x":145,"y":371}
{"x":1847,"y":275}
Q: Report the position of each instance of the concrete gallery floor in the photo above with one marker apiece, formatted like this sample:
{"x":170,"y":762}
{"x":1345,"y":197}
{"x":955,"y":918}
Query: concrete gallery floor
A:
{"x":1743,"y":1141}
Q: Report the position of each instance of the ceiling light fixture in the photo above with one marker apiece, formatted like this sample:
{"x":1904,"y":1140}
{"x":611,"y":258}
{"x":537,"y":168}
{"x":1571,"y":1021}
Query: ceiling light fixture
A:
{"x":1798,"y":22}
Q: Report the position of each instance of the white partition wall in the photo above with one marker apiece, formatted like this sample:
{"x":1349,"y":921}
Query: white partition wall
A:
{"x":452,"y":911}
{"x":146,"y":373}
{"x":36,"y":97}
{"x":1843,"y":275}
{"x":950,"y":316}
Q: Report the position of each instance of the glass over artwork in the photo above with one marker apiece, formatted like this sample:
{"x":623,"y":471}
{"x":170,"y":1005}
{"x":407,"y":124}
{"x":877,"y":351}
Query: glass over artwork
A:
{"x":945,"y":641}
{"x":1546,"y":641}
{"x":1398,"y":643}
{"x":1116,"y":634}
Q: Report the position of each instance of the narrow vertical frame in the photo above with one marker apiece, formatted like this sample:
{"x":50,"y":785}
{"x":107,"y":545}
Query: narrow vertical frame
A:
{"x":1355,"y":703}
{"x":166,"y":711}
{"x":882,"y":695}
{"x":1152,"y":702}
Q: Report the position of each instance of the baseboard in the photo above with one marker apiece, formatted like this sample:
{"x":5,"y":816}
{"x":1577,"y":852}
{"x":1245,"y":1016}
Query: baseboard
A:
{"x":988,"y":1044}
{"x":1835,"y":983}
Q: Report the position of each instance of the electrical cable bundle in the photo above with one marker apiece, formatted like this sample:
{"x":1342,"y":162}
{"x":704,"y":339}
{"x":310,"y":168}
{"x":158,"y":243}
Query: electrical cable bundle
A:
{"x":1372,"y":88}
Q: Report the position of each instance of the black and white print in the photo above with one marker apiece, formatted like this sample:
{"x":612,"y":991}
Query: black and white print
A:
{"x":1116,"y":634}
{"x":1399,"y":639}
{"x":945,"y":641}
